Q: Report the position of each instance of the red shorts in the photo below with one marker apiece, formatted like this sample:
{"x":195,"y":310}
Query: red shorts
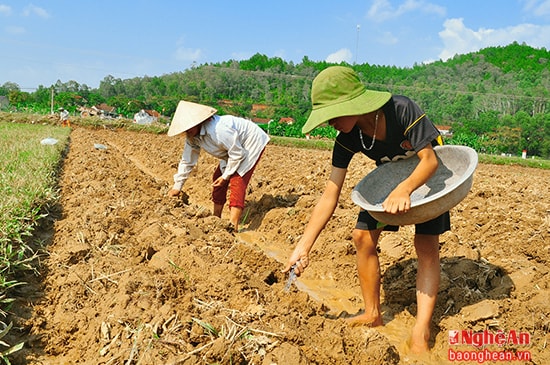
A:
{"x":236,"y":184}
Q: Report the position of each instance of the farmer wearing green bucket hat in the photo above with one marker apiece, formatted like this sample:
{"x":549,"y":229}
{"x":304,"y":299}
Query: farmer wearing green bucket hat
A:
{"x":385,"y":128}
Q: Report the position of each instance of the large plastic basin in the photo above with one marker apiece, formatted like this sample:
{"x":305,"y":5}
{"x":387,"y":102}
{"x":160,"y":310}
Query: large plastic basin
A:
{"x":446,"y":188}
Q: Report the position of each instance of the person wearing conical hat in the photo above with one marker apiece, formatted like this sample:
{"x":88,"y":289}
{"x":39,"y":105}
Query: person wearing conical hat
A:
{"x":237,"y":142}
{"x":64,"y":117}
{"x":385,"y":128}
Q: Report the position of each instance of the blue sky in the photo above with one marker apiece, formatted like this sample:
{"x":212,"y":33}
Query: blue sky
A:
{"x":45,"y":41}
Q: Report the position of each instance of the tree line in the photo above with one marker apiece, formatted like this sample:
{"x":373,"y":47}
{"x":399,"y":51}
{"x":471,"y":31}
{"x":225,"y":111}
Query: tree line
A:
{"x":495,"y":100}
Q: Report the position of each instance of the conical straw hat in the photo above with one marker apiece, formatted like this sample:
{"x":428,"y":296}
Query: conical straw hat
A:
{"x":188,"y":115}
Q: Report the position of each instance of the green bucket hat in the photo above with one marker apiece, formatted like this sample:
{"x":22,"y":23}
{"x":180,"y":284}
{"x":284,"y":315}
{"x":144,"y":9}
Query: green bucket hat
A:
{"x":337,"y":91}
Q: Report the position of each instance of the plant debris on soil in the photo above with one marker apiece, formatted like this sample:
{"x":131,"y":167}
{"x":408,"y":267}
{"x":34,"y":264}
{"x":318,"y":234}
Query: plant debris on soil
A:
{"x":132,"y":276}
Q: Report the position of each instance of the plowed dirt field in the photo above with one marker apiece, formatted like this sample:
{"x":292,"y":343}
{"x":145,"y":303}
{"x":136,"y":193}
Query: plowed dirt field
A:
{"x":135,"y":277}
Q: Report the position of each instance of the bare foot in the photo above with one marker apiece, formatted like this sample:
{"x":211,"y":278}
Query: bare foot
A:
{"x":419,"y":340}
{"x":365,"y":320}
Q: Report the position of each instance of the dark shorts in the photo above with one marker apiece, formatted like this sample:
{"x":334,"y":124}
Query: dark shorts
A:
{"x":436,"y":226}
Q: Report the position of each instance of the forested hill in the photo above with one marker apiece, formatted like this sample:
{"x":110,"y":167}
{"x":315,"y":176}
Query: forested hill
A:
{"x":496,"y":100}
{"x":503,"y":80}
{"x":494,"y":95}
{"x":516,"y":58}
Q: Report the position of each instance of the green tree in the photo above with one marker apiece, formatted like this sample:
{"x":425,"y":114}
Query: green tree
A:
{"x":7,"y":87}
{"x":19,"y":98}
{"x":68,"y":100}
{"x":503,"y":140}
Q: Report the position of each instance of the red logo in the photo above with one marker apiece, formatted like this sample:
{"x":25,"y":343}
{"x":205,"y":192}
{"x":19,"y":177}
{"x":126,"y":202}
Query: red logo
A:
{"x":488,"y":338}
{"x":454,"y":337}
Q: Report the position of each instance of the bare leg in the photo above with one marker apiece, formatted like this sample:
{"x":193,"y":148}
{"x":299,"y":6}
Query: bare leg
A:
{"x":427,"y":286}
{"x":235,"y":216}
{"x":218,"y":192}
{"x":218,"y":208}
{"x":368,"y":270}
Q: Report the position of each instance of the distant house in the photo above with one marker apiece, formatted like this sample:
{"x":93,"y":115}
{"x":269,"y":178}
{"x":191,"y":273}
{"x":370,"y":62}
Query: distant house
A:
{"x":444,"y":130}
{"x":101,"y":110}
{"x":106,"y":110}
{"x":260,"y":120}
{"x":4,"y":101}
{"x":225,"y":102}
{"x":287,"y":120}
{"x":258,"y":107}
{"x":145,"y":116}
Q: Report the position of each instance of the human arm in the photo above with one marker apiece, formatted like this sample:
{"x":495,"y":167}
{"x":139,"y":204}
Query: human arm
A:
{"x":173,"y":192}
{"x":229,"y":140}
{"x":218,"y":182}
{"x":322,"y":212}
{"x":399,"y":200}
{"x":189,"y":159}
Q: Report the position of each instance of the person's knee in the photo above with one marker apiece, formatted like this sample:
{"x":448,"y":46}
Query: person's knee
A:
{"x":236,"y":208}
{"x":427,"y":250}
{"x":364,"y":241}
{"x":426,"y":243}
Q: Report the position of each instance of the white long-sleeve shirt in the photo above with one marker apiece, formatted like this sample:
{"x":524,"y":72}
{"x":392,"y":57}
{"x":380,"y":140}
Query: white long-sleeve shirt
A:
{"x":237,"y":142}
{"x":64,"y":115}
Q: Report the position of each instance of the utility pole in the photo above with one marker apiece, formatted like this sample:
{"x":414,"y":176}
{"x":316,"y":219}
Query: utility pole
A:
{"x":357,"y":43}
{"x":51,"y":107}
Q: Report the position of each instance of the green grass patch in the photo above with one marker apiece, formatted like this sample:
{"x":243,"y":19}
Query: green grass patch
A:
{"x":319,"y":144}
{"x":28,"y":180}
{"x":534,"y":162}
{"x":29,"y":173}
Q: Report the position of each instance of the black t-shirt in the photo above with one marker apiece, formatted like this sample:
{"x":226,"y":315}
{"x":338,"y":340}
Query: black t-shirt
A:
{"x":408,"y":130}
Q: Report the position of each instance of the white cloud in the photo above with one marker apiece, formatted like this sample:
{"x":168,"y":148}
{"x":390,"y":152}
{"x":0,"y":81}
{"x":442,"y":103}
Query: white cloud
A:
{"x":382,"y":10}
{"x":35,"y":10}
{"x":538,"y":8}
{"x":342,"y":55}
{"x":5,"y":9}
{"x":458,"y":39}
{"x":188,"y":54}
